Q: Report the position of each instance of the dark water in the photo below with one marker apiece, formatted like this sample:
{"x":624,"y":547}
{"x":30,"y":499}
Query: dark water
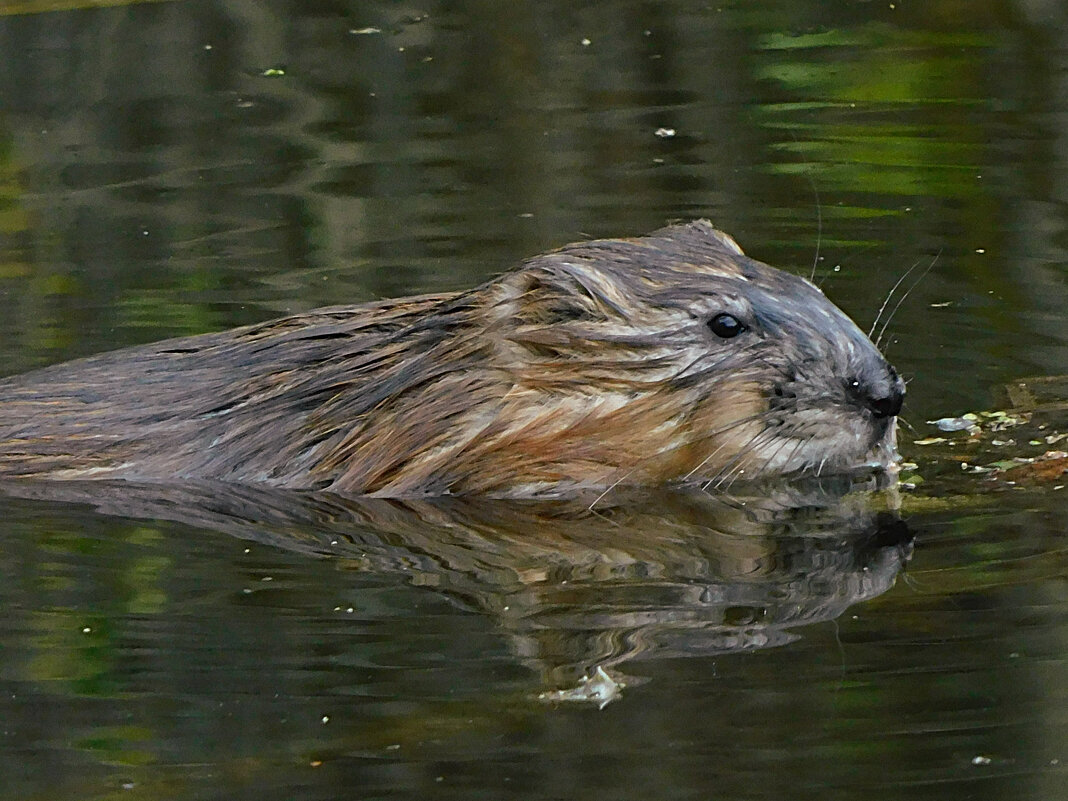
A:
{"x":176,"y":167}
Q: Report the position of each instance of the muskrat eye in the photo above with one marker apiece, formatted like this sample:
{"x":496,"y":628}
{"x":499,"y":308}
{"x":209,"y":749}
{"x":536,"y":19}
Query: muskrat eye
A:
{"x":726,"y":325}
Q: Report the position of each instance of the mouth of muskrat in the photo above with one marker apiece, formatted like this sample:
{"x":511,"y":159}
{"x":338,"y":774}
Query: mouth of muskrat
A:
{"x":746,"y":430}
{"x":796,"y":456}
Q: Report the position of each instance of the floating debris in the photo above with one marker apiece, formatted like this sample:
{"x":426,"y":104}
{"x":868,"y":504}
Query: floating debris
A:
{"x":1045,"y":469}
{"x":1022,"y":444}
{"x":978,"y":422}
{"x":962,"y":423}
{"x":598,"y":689}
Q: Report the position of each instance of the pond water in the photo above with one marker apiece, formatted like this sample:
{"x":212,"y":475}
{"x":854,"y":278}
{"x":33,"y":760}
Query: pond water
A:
{"x":170,"y":168}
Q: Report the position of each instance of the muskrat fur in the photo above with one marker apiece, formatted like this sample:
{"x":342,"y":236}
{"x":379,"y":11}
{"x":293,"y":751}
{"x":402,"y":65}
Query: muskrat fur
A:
{"x":667,"y":358}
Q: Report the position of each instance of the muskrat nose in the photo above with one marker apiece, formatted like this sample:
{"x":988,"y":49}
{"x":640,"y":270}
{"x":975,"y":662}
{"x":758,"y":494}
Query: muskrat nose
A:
{"x":887,"y":405}
{"x":883,"y":398}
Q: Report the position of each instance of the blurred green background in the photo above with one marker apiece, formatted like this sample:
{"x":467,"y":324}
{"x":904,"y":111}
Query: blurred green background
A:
{"x":169,"y":168}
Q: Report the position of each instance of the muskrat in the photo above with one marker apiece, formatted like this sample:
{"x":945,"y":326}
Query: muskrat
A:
{"x":668,"y":358}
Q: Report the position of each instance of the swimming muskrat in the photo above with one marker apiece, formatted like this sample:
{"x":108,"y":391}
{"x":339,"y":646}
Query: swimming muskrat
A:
{"x":667,"y":358}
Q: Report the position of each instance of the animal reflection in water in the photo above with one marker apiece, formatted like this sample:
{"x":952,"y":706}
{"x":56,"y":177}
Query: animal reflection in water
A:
{"x":663,"y":573}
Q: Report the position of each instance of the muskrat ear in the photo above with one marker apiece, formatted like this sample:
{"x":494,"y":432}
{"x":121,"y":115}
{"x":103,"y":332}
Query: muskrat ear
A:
{"x":559,"y":294}
{"x":545,"y":305}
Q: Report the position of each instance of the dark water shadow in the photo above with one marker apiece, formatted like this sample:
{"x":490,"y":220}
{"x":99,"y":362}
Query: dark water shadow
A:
{"x":580,"y":591}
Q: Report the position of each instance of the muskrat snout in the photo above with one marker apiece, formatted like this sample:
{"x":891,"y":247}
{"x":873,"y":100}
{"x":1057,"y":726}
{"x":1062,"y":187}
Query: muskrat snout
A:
{"x":883,"y":397}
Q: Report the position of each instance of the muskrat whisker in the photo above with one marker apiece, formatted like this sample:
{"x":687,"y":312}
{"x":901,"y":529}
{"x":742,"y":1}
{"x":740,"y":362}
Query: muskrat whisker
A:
{"x":819,"y":227}
{"x":798,"y":444}
{"x":607,"y":490}
{"x":734,"y":466}
{"x":819,"y":210}
{"x":722,"y":430}
{"x":769,"y":459}
{"x":908,"y":425}
{"x":726,"y":477}
{"x":889,"y":295}
{"x":704,"y":461}
{"x":690,"y":442}
{"x":904,"y":295}
{"x":843,"y":260}
{"x":704,"y":435}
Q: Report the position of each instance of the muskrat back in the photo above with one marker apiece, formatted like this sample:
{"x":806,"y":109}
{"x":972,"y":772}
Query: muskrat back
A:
{"x":666,"y":358}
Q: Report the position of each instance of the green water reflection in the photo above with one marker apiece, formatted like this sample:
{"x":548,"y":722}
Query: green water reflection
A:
{"x":180,"y":658}
{"x":158,"y":177}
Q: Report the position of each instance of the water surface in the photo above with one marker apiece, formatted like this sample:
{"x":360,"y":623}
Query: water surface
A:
{"x":169,"y":168}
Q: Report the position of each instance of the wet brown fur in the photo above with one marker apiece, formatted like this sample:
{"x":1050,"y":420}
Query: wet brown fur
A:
{"x":586,"y":367}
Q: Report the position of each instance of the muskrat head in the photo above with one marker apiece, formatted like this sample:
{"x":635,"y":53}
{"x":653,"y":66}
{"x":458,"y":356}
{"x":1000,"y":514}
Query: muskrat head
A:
{"x":674,"y":357}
